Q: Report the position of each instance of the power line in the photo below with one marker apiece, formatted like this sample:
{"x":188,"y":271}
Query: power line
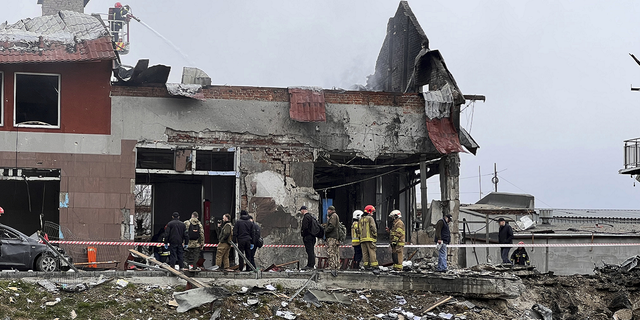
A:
{"x":501,"y":177}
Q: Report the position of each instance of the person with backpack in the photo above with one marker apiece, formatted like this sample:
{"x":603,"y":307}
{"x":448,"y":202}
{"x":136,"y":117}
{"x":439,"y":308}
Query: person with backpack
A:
{"x":310,"y":229}
{"x":332,"y":233}
{"x":195,"y":232}
{"x":257,"y":241}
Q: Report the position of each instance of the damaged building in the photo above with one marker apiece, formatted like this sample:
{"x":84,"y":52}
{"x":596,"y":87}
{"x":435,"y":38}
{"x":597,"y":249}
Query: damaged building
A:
{"x":74,"y":152}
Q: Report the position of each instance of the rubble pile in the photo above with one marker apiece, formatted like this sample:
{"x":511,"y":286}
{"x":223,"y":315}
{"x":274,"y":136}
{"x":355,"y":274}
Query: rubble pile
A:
{"x":610,"y":293}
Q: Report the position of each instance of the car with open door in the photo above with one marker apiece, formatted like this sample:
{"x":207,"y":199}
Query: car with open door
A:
{"x":20,"y":252}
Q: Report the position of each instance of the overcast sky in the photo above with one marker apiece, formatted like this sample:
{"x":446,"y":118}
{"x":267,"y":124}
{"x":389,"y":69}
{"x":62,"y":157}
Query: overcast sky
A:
{"x":556,"y":74}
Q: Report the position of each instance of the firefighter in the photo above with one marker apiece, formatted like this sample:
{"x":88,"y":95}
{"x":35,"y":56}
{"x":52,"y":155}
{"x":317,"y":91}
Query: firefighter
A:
{"x":120,"y":17}
{"x":355,"y":240}
{"x":397,"y":236}
{"x":368,"y":237}
{"x":520,"y":256}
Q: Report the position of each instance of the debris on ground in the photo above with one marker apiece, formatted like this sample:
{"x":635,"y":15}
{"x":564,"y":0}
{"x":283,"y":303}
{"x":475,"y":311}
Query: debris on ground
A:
{"x":612,"y":292}
{"x":194,"y":298}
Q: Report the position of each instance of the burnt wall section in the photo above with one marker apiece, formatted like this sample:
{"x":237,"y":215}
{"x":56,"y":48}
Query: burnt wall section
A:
{"x":95,"y":190}
{"x":401,"y":45}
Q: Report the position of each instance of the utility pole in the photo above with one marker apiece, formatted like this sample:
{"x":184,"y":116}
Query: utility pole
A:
{"x":495,"y":179}
{"x":480,"y":181}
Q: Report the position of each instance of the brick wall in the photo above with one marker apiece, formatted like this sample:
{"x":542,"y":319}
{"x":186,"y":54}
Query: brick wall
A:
{"x":51,"y":7}
{"x":99,"y":186}
{"x":405,"y":100}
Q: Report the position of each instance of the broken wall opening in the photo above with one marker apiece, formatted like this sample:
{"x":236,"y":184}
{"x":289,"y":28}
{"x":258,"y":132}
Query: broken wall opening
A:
{"x":185,"y":180}
{"x":350,"y":183}
{"x":29,"y":197}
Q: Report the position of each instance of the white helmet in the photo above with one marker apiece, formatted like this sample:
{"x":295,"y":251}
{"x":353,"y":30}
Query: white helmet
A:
{"x":357,"y":214}
{"x":395,"y":213}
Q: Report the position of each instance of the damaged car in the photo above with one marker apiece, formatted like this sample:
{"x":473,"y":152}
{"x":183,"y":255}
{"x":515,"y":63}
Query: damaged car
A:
{"x":20,"y":252}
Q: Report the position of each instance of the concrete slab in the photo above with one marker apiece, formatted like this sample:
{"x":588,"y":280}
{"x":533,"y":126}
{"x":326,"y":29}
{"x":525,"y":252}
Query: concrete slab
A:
{"x":469,"y":285}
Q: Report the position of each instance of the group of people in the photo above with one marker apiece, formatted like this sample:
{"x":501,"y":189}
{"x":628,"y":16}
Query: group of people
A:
{"x":505,"y":236}
{"x":184,"y":241}
{"x":364,"y":235}
{"x":245,"y":233}
{"x":179,"y":237}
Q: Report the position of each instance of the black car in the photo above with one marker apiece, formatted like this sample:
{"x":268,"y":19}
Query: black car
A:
{"x":17,"y":251}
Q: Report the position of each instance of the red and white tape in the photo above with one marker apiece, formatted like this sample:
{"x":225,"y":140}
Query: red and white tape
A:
{"x":475,"y":245}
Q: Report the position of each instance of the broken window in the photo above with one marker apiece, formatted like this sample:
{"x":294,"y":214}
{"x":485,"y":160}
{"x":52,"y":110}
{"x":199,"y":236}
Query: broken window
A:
{"x":37,"y":100}
{"x":148,"y":158}
{"x":210,"y":160}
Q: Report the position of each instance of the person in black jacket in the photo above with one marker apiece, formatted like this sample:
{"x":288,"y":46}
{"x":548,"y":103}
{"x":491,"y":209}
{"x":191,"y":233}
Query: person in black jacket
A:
{"x":505,"y":235}
{"x":243,"y":237}
{"x":308,"y":239}
{"x":176,"y":237}
{"x":442,"y":238}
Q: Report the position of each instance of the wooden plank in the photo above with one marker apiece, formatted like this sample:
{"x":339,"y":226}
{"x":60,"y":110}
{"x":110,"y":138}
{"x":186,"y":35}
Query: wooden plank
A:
{"x":165,"y":266}
{"x":437,"y":304}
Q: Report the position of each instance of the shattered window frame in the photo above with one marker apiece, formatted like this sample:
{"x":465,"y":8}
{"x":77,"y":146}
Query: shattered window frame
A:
{"x":1,"y":98}
{"x":35,"y":123}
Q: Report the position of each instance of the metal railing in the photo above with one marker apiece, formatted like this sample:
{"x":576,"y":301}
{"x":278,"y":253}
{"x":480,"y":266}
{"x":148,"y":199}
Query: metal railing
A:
{"x":632,"y":153}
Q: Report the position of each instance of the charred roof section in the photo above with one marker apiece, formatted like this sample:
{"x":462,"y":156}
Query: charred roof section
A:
{"x":402,"y":44}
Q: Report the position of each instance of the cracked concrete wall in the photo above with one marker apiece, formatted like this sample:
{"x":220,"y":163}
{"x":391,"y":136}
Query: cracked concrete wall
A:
{"x":367,"y":130}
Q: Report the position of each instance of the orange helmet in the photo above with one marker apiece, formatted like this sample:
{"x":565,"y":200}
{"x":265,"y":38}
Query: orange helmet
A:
{"x":118,"y":5}
{"x":369,"y":209}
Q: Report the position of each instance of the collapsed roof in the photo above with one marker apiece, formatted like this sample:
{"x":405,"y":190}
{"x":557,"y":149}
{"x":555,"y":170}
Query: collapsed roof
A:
{"x":406,"y":64}
{"x":65,"y":37}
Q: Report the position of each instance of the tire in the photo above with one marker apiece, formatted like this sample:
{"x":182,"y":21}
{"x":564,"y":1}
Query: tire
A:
{"x":46,"y":263}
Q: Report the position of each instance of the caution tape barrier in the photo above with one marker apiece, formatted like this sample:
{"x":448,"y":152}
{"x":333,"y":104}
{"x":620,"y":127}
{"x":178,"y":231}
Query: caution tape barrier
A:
{"x":475,"y":245}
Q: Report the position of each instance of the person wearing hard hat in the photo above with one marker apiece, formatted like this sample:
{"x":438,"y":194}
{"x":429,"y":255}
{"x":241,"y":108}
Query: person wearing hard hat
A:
{"x":1,"y":211}
{"x":355,"y":240}
{"x":520,"y":256}
{"x":396,"y":237}
{"x":368,"y":237}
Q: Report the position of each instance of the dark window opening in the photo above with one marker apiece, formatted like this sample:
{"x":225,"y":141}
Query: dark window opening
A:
{"x":29,"y":203}
{"x":148,"y":158}
{"x":37,"y":100}
{"x":209,"y":160}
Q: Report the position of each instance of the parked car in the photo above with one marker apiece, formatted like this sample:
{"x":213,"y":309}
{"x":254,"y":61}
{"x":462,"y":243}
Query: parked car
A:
{"x":20,"y":252}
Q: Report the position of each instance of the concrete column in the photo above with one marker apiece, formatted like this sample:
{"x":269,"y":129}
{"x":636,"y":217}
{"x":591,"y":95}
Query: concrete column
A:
{"x":450,"y":196}
{"x":426,"y":214}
